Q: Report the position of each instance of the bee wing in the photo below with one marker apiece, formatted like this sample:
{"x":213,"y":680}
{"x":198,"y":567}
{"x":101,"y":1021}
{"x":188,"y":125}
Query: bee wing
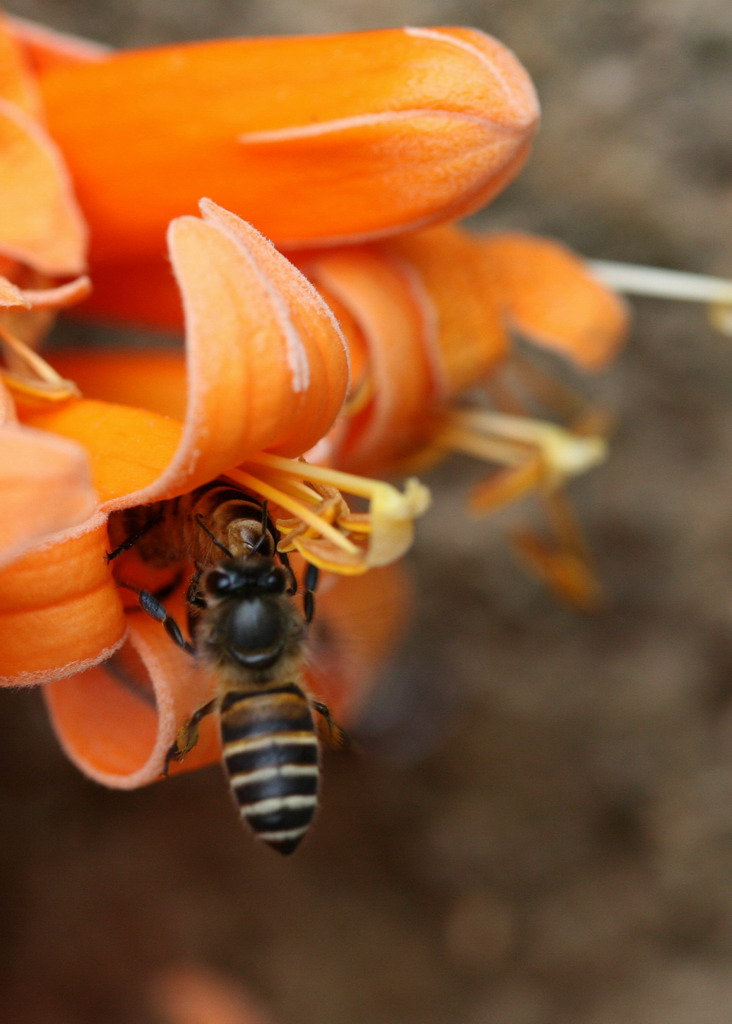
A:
{"x":328,"y":732}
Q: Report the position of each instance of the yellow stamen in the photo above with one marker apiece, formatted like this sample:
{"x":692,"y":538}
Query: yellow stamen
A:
{"x":505,"y":486}
{"x":388,"y":527}
{"x":300,"y":511}
{"x":565,"y":563}
{"x":510,"y":440}
{"x":31,"y":377}
{"x":567,"y":574}
{"x":359,"y":398}
{"x":563,"y":402}
{"x":534,"y":456}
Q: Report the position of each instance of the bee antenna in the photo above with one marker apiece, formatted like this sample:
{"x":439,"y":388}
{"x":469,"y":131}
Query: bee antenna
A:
{"x":265,"y":528}
{"x":222,"y":547}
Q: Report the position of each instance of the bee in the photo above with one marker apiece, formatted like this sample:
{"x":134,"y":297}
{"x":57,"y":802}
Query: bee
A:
{"x":245,"y":626}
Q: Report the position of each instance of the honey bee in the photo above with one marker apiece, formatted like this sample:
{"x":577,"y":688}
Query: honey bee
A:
{"x":245,"y":626}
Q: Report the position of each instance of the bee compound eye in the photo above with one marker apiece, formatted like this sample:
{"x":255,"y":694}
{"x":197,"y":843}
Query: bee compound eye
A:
{"x":273,"y":581}
{"x":218,"y":582}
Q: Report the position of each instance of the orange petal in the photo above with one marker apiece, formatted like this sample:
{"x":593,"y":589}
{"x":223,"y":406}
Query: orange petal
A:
{"x":266,"y":355}
{"x":153,"y":379}
{"x":363,"y":618}
{"x":16,"y":81}
{"x":45,"y":488}
{"x":44,"y":48}
{"x":59,"y":608}
{"x":427,"y":309}
{"x":332,"y":137}
{"x":41,"y":223}
{"x":377,"y":289}
{"x":550,"y":295}
{"x":128,"y":449}
{"x":463,"y":301}
{"x":267,"y":369}
{"x":117,"y":721}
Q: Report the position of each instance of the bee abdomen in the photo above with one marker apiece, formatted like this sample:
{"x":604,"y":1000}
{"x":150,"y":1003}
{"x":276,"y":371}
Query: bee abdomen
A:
{"x":271,"y":756}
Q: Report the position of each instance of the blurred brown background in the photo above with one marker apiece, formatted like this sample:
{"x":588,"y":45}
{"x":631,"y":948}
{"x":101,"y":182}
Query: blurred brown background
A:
{"x":540,"y":828}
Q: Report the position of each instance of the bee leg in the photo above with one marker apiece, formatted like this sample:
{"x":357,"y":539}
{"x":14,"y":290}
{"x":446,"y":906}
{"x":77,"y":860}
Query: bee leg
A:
{"x":335,"y":736}
{"x":311,"y":581}
{"x":132,"y":539}
{"x":187,"y":736}
{"x":155,"y":608}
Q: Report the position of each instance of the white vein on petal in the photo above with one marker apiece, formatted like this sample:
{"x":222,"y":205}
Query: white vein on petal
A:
{"x":430,"y":320}
{"x":341,"y":124}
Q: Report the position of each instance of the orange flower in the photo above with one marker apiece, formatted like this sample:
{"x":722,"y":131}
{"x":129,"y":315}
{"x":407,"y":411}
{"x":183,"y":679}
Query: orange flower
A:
{"x":425,"y":315}
{"x":267,"y":373}
{"x":455,"y":298}
{"x":308,"y":138}
{"x":450,"y":298}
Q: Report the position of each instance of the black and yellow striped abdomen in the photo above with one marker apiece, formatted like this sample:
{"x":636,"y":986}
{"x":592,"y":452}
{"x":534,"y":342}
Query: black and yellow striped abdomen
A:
{"x":270,"y":753}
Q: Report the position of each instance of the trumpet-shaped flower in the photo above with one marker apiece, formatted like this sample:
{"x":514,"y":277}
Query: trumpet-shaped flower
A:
{"x":459,"y":294}
{"x":456,"y":297}
{"x":424,"y":125}
{"x":267,"y":372}
{"x":425,"y":313}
